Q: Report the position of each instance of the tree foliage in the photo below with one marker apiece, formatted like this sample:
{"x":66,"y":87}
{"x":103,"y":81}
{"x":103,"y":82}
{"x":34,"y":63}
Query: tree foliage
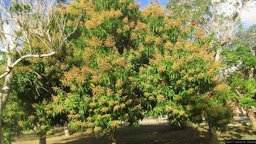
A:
{"x":121,"y":65}
{"x":130,"y":63}
{"x":242,"y":56}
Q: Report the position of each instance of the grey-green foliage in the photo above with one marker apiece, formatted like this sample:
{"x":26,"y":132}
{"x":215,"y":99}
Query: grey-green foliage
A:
{"x":242,"y":55}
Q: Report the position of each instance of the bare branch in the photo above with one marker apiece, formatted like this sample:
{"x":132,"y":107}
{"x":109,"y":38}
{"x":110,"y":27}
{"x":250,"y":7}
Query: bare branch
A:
{"x":24,"y":57}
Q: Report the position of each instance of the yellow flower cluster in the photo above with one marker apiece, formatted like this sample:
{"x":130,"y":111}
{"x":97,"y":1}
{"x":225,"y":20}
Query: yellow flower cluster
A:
{"x":119,"y":31}
{"x":116,"y":107}
{"x":175,"y":111}
{"x":97,"y":91}
{"x":95,"y":42}
{"x":168,"y":45}
{"x":164,"y":36}
{"x":96,"y":79}
{"x":134,"y":36}
{"x":222,"y":87}
{"x":98,"y":18}
{"x":102,"y":101}
{"x":109,"y":92}
{"x":141,"y":26}
{"x":178,"y":97}
{"x":189,"y":107}
{"x":59,"y":108}
{"x":73,"y":75}
{"x":122,"y":105}
{"x":190,"y":90}
{"x":76,"y":7}
{"x":160,"y":98}
{"x":141,"y":48}
{"x":161,"y":68}
{"x":158,"y":41}
{"x":122,"y":1}
{"x":168,"y":108}
{"x":115,"y":123}
{"x":128,"y":102}
{"x":200,"y":75}
{"x":133,"y":6}
{"x":73,"y":116}
{"x":97,"y":129}
{"x":104,"y":109}
{"x":179,"y":82}
{"x":92,"y":104}
{"x":126,"y":28}
{"x":154,"y":10}
{"x":31,"y":118}
{"x":125,"y":20}
{"x":109,"y":42}
{"x":120,"y":62}
{"x":177,"y":64}
{"x":199,"y":33}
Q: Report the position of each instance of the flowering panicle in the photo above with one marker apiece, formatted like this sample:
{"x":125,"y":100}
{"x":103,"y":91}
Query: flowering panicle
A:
{"x":95,"y":42}
{"x":140,"y":26}
{"x":98,"y":18}
{"x":154,"y":10}
{"x":133,"y":6}
{"x":109,"y":42}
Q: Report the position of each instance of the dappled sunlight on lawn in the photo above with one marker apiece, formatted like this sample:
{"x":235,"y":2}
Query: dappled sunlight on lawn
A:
{"x":151,"y":134}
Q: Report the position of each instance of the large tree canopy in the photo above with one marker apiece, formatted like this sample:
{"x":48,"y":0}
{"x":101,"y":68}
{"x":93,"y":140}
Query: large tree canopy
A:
{"x":130,"y":63}
{"x":120,"y":64}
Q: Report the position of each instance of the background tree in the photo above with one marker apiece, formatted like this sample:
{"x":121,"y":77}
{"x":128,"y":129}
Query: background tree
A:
{"x":223,"y":19}
{"x":34,"y":83}
{"x":214,"y":16}
{"x":20,"y":22}
{"x":241,"y":57}
{"x":11,"y":117}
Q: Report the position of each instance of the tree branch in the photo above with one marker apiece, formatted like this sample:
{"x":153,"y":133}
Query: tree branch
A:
{"x":25,"y":57}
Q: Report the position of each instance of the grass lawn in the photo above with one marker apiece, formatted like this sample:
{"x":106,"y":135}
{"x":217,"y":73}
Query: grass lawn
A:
{"x":149,"y":134}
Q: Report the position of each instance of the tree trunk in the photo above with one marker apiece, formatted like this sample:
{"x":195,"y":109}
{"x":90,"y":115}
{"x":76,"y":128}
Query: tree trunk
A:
{"x":66,"y":130}
{"x":4,"y":94}
{"x":251,"y":116}
{"x":251,"y":113}
{"x":217,"y":56}
{"x":112,"y":137}
{"x":1,"y":133}
{"x":212,"y":135}
{"x":42,"y":139}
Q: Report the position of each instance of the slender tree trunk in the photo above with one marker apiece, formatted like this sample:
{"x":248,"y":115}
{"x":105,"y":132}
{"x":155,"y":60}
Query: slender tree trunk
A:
{"x":1,"y":130}
{"x":4,"y":94}
{"x":66,"y":130}
{"x":251,"y":116}
{"x":112,"y":137}
{"x":218,"y":54}
{"x":251,"y":113}
{"x":42,"y":139}
{"x":212,"y":135}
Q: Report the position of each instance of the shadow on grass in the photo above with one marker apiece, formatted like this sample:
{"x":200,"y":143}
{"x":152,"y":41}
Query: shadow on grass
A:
{"x":238,"y":132}
{"x":148,"y":134}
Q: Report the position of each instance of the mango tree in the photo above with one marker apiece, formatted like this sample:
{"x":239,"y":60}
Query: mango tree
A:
{"x":131,"y":62}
